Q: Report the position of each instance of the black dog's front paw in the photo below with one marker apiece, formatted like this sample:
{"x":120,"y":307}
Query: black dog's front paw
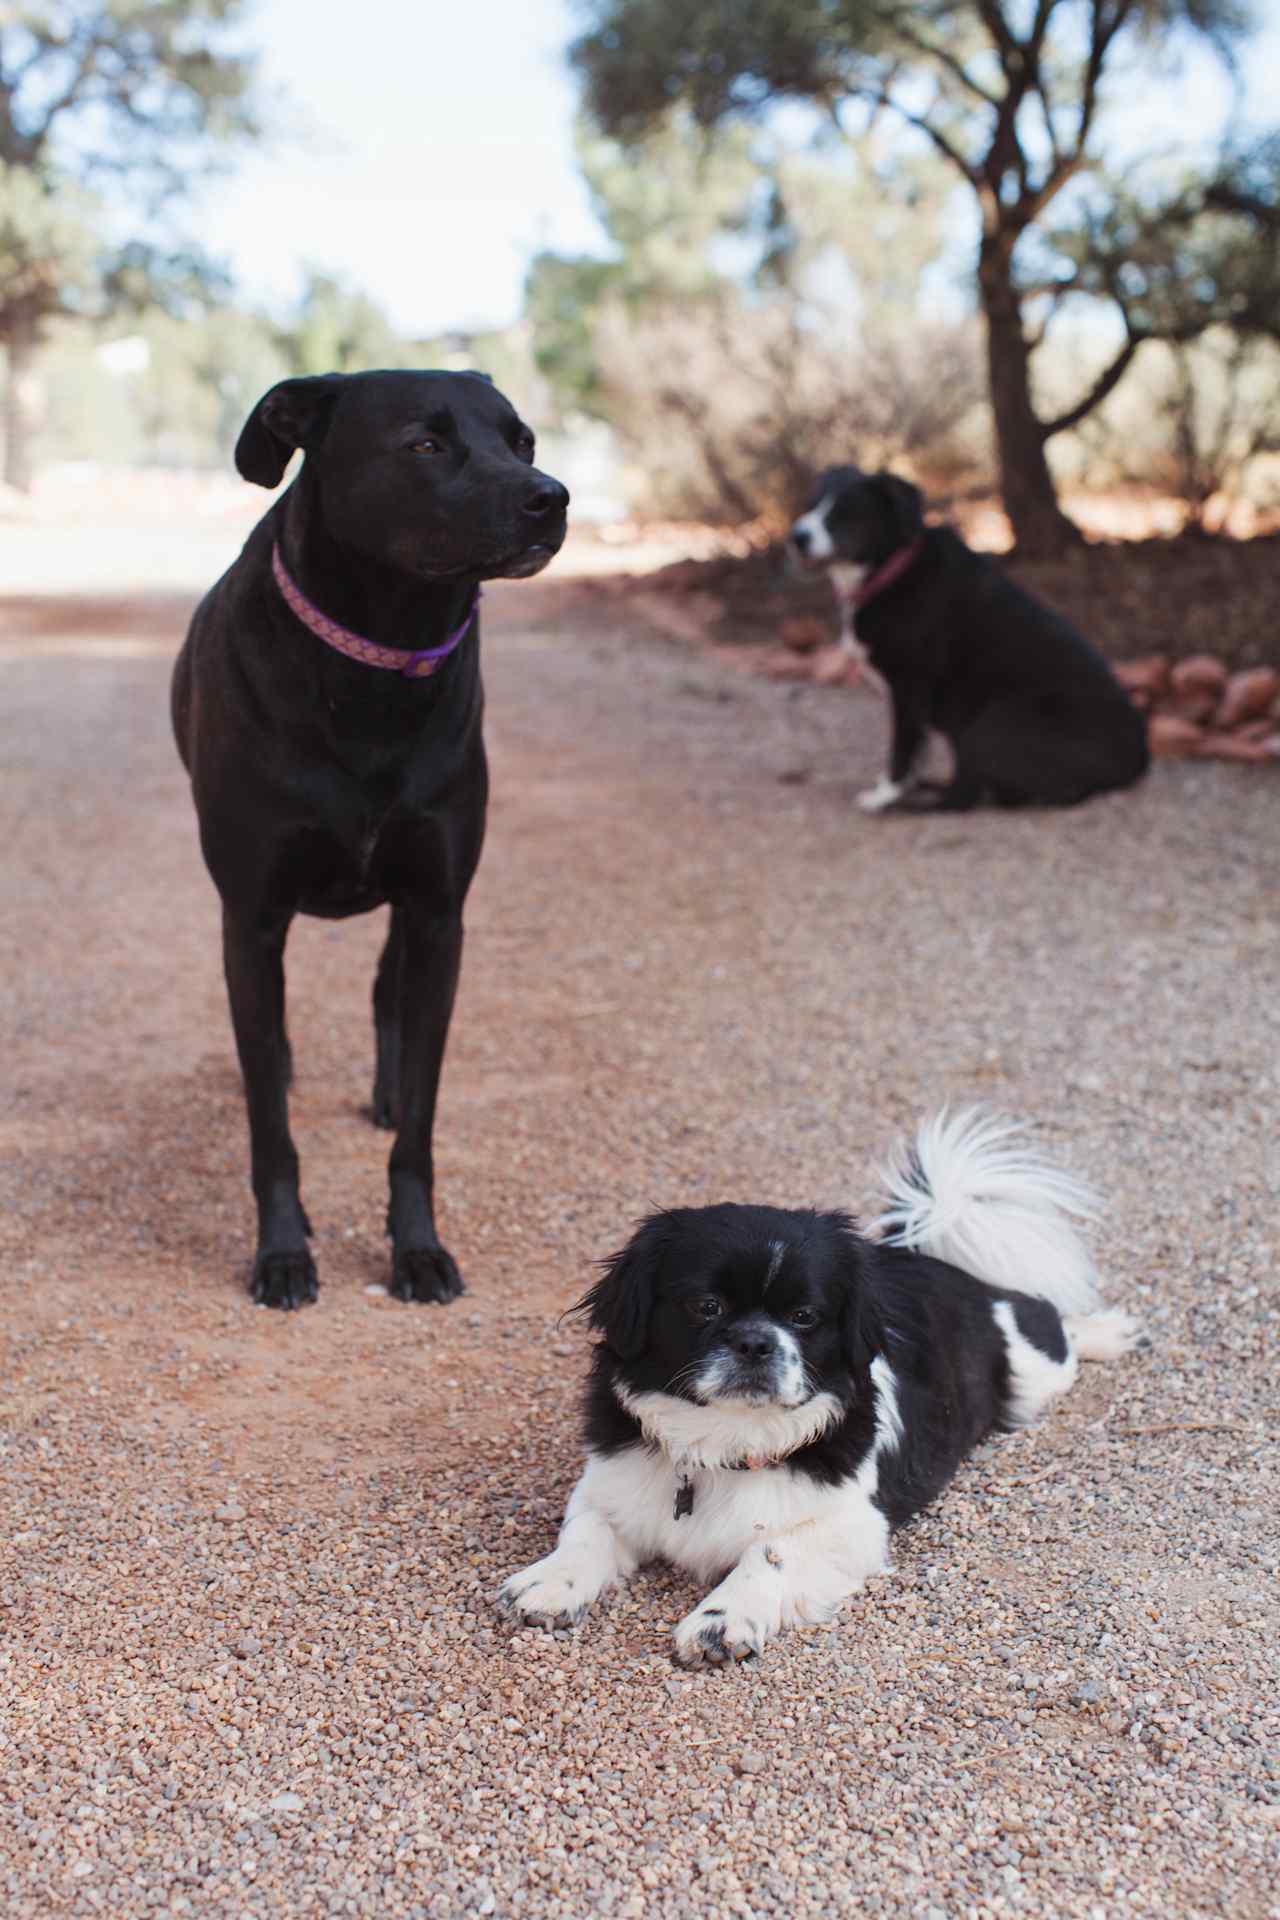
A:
{"x":425,"y":1273}
{"x":286,"y":1280}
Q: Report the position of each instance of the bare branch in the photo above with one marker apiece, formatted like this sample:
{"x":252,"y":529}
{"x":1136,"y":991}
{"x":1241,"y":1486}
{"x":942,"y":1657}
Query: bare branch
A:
{"x":956,"y":68}
{"x":992,"y":17}
{"x":1103,"y":30}
{"x":880,"y":98}
{"x":1107,"y":380}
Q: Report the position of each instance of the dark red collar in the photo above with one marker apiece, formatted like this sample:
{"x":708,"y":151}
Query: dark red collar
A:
{"x":887,"y":572}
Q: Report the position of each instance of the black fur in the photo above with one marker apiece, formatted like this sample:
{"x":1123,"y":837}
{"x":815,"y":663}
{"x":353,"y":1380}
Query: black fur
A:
{"x":1033,"y":713}
{"x":329,"y":787}
{"x":930,"y":1321}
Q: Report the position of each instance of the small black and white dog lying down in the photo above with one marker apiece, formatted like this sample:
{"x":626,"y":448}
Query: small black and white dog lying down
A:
{"x":1033,"y":714}
{"x":776,"y":1392}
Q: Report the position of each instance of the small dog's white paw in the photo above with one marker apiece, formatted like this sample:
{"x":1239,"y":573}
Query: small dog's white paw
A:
{"x":882,"y":795}
{"x":554,"y":1592}
{"x":716,"y":1636}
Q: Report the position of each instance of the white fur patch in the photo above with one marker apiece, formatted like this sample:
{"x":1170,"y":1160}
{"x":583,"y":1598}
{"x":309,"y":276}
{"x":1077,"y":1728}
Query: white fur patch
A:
{"x":590,"y":1555}
{"x":789,"y":1386}
{"x":969,"y":1189}
{"x":882,"y":795}
{"x":1034,"y":1379}
{"x":795,"y":1549}
{"x":727,"y":1431}
{"x":846,"y":578}
{"x":798,"y":1574}
{"x":814,"y":524}
{"x":1103,"y":1336}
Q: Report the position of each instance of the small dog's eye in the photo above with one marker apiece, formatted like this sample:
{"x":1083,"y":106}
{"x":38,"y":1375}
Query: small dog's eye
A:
{"x":706,"y":1309}
{"x":524,"y":445}
{"x":428,"y":445}
{"x":803,"y":1317}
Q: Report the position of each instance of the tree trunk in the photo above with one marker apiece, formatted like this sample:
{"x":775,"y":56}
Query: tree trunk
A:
{"x":1026,"y":484}
{"x":19,"y":412}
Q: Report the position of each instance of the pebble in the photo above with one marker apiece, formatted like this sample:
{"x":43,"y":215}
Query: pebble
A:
{"x":258,"y":1670}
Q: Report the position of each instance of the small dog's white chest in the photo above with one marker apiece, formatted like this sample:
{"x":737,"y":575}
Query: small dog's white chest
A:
{"x":721,"y":1510}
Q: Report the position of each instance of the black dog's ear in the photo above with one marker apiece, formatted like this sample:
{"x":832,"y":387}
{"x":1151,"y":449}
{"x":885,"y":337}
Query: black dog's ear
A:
{"x":621,"y":1301}
{"x":905,"y":502}
{"x":294,"y":413}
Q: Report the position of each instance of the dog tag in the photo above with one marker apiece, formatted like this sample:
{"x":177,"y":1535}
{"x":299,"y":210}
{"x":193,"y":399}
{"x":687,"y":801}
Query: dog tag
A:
{"x":684,"y":1498}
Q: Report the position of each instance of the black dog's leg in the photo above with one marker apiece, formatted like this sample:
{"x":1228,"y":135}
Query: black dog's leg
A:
{"x":909,"y":736}
{"x":386,"y":1025}
{"x":910,"y":733}
{"x":932,"y":796}
{"x":421,"y":1269}
{"x":284,"y":1273}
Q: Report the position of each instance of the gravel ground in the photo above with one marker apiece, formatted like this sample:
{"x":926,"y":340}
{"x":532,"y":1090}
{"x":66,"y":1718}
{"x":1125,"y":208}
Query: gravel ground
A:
{"x":251,"y":1665}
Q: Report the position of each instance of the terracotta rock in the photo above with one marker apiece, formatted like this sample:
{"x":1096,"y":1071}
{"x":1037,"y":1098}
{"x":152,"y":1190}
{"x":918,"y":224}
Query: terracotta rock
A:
{"x":803,"y":632}
{"x":1171,"y":736}
{"x":1260,"y":729}
{"x":1234,"y":746}
{"x":1149,"y":675}
{"x":779,"y":663}
{"x":1248,"y":694}
{"x":1196,"y":704}
{"x":833,"y":667}
{"x":1201,"y":673}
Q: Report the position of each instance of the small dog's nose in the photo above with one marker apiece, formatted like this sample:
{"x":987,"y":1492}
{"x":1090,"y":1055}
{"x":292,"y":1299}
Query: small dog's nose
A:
{"x":800,"y":538}
{"x":752,"y":1343}
{"x":548,"y":498}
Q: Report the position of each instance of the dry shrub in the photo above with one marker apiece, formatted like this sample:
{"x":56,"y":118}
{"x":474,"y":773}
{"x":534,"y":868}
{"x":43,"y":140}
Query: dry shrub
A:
{"x":1199,"y":422}
{"x":726,"y":407}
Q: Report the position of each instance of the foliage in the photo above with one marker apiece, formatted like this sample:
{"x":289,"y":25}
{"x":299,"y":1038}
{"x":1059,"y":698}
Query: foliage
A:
{"x":141,"y":92}
{"x":337,"y":330}
{"x":1009,"y":97}
{"x":1198,"y":420}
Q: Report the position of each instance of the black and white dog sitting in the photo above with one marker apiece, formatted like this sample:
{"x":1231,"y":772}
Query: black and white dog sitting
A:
{"x":776,"y":1392}
{"x":1033,"y":714}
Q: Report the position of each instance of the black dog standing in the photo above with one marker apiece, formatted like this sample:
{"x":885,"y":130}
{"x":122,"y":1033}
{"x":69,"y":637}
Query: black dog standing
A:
{"x":327,"y":705}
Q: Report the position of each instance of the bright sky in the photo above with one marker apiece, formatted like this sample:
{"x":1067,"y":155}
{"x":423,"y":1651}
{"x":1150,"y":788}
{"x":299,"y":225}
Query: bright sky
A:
{"x":437,"y":156}
{"x":436,"y":150}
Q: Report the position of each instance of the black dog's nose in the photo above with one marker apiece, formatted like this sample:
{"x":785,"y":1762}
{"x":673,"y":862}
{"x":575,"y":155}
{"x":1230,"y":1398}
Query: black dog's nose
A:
{"x":752,"y":1343}
{"x":800,"y":537}
{"x":548,"y":498}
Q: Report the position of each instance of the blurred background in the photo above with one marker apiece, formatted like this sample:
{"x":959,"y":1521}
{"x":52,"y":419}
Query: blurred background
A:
{"x":1027,"y":250}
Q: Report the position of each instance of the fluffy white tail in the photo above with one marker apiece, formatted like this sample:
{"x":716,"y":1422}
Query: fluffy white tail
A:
{"x":971,"y":1190}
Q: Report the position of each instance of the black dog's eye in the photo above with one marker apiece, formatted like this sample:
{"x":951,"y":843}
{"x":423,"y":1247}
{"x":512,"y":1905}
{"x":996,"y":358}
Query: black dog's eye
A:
{"x":524,"y":445}
{"x":428,"y":444}
{"x":707,"y":1309}
{"x":803,"y":1317}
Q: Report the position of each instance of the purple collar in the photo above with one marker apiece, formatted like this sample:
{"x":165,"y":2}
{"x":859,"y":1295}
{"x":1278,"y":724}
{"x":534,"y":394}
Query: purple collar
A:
{"x":887,"y":572}
{"x":419,"y":665}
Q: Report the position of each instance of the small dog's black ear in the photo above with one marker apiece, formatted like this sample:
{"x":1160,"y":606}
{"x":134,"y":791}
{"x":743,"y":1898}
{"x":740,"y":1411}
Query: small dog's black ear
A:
{"x":906,"y":504}
{"x":294,"y":413}
{"x":863,"y":1333}
{"x":621,"y":1301}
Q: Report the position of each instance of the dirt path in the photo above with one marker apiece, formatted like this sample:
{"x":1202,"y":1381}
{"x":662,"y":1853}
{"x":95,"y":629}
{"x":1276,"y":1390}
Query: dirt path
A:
{"x":250,"y":1666}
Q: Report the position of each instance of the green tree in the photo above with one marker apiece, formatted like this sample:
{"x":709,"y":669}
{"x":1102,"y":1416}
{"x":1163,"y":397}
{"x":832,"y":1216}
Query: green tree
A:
{"x":96,"y":94}
{"x":1010,"y":96}
{"x":336,"y":330}
{"x":662,"y":219}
